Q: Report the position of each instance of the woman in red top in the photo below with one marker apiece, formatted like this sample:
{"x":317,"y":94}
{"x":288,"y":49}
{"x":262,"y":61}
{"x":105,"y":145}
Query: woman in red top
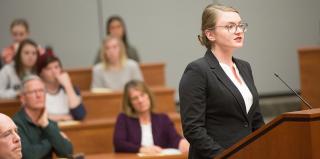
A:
{"x":19,"y":29}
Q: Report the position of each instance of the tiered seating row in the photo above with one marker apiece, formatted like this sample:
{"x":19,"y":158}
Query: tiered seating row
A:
{"x":153,"y":74}
{"x":104,"y":105}
{"x":94,"y":135}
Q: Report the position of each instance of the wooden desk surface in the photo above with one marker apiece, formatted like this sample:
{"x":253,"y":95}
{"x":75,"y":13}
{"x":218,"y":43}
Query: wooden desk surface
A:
{"x":96,"y":136}
{"x":153,"y":74}
{"x":133,"y":156}
{"x":110,"y":104}
{"x":102,"y":105}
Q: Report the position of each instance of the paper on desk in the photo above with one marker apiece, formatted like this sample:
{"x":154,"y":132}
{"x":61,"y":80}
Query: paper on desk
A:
{"x":101,"y":90}
{"x":164,"y":152}
{"x":68,"y":123}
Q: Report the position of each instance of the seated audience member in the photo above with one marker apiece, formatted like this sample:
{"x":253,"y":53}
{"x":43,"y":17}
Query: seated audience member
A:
{"x":115,"y":26}
{"x":116,"y":69}
{"x":24,"y":64}
{"x":40,"y":137}
{"x":10,"y":145}
{"x":138,"y":129}
{"x":63,"y":101}
{"x":19,"y":29}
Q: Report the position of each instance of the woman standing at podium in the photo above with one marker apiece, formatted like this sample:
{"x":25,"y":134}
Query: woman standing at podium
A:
{"x":218,"y":99}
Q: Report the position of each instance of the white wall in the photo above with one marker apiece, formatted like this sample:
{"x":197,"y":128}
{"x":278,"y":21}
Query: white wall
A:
{"x":163,"y":30}
{"x":166,"y":31}
{"x":276,"y":30}
{"x":70,"y":26}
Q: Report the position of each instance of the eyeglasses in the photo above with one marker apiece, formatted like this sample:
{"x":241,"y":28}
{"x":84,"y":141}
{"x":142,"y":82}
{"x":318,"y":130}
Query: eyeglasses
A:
{"x":33,"y":92}
{"x":232,"y":28}
{"x":18,"y":34}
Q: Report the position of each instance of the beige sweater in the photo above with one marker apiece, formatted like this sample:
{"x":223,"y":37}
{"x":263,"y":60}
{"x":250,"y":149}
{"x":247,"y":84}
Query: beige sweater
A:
{"x":115,"y":80}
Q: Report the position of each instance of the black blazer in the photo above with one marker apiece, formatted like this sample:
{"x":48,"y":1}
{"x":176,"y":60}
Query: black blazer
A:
{"x":212,"y":109}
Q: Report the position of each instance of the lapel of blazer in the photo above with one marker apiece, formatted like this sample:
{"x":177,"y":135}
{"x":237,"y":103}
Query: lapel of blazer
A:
{"x":223,"y":77}
{"x":247,"y":79}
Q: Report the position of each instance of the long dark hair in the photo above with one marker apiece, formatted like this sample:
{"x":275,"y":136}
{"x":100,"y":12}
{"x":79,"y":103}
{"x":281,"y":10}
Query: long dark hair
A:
{"x":118,"y":18}
{"x":18,"y":66}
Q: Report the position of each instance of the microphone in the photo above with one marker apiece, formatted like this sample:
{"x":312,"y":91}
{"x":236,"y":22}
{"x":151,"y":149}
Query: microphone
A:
{"x":305,"y":102}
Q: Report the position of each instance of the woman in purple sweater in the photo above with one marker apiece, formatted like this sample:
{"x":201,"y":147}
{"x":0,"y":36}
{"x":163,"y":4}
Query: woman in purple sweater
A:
{"x":138,"y":129}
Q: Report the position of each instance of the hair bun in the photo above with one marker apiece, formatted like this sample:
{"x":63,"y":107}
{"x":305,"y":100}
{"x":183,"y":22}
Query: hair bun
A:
{"x":200,"y":38}
{"x":49,"y":51}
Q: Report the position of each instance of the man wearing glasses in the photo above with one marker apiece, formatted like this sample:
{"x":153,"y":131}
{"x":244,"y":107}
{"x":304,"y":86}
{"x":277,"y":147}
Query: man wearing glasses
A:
{"x":40,"y":137}
{"x":10,"y":145}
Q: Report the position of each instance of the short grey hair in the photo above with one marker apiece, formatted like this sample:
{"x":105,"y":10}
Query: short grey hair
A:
{"x":28,"y":78}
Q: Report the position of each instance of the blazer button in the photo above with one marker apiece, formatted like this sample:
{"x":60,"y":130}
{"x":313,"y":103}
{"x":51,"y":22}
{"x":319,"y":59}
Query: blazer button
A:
{"x":246,"y":124}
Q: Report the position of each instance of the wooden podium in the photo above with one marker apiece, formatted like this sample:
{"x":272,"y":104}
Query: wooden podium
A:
{"x":309,"y":60}
{"x":294,"y":135}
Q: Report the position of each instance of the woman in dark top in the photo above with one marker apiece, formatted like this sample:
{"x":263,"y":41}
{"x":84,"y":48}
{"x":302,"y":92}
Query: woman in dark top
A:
{"x":219,"y":102}
{"x":115,"y":26}
{"x":138,"y":129}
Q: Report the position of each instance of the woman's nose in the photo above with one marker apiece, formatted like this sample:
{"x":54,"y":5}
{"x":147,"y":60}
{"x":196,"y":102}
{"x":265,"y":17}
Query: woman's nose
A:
{"x":238,"y":30}
{"x":140,"y":99}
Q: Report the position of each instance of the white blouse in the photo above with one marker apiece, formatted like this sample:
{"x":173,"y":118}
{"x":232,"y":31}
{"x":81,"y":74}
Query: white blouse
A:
{"x":242,"y":87}
{"x":57,"y":104}
{"x":146,"y":136}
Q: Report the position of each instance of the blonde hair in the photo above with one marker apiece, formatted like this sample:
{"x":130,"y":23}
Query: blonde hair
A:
{"x":209,"y":20}
{"x":127,"y":106}
{"x":123,"y":54}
